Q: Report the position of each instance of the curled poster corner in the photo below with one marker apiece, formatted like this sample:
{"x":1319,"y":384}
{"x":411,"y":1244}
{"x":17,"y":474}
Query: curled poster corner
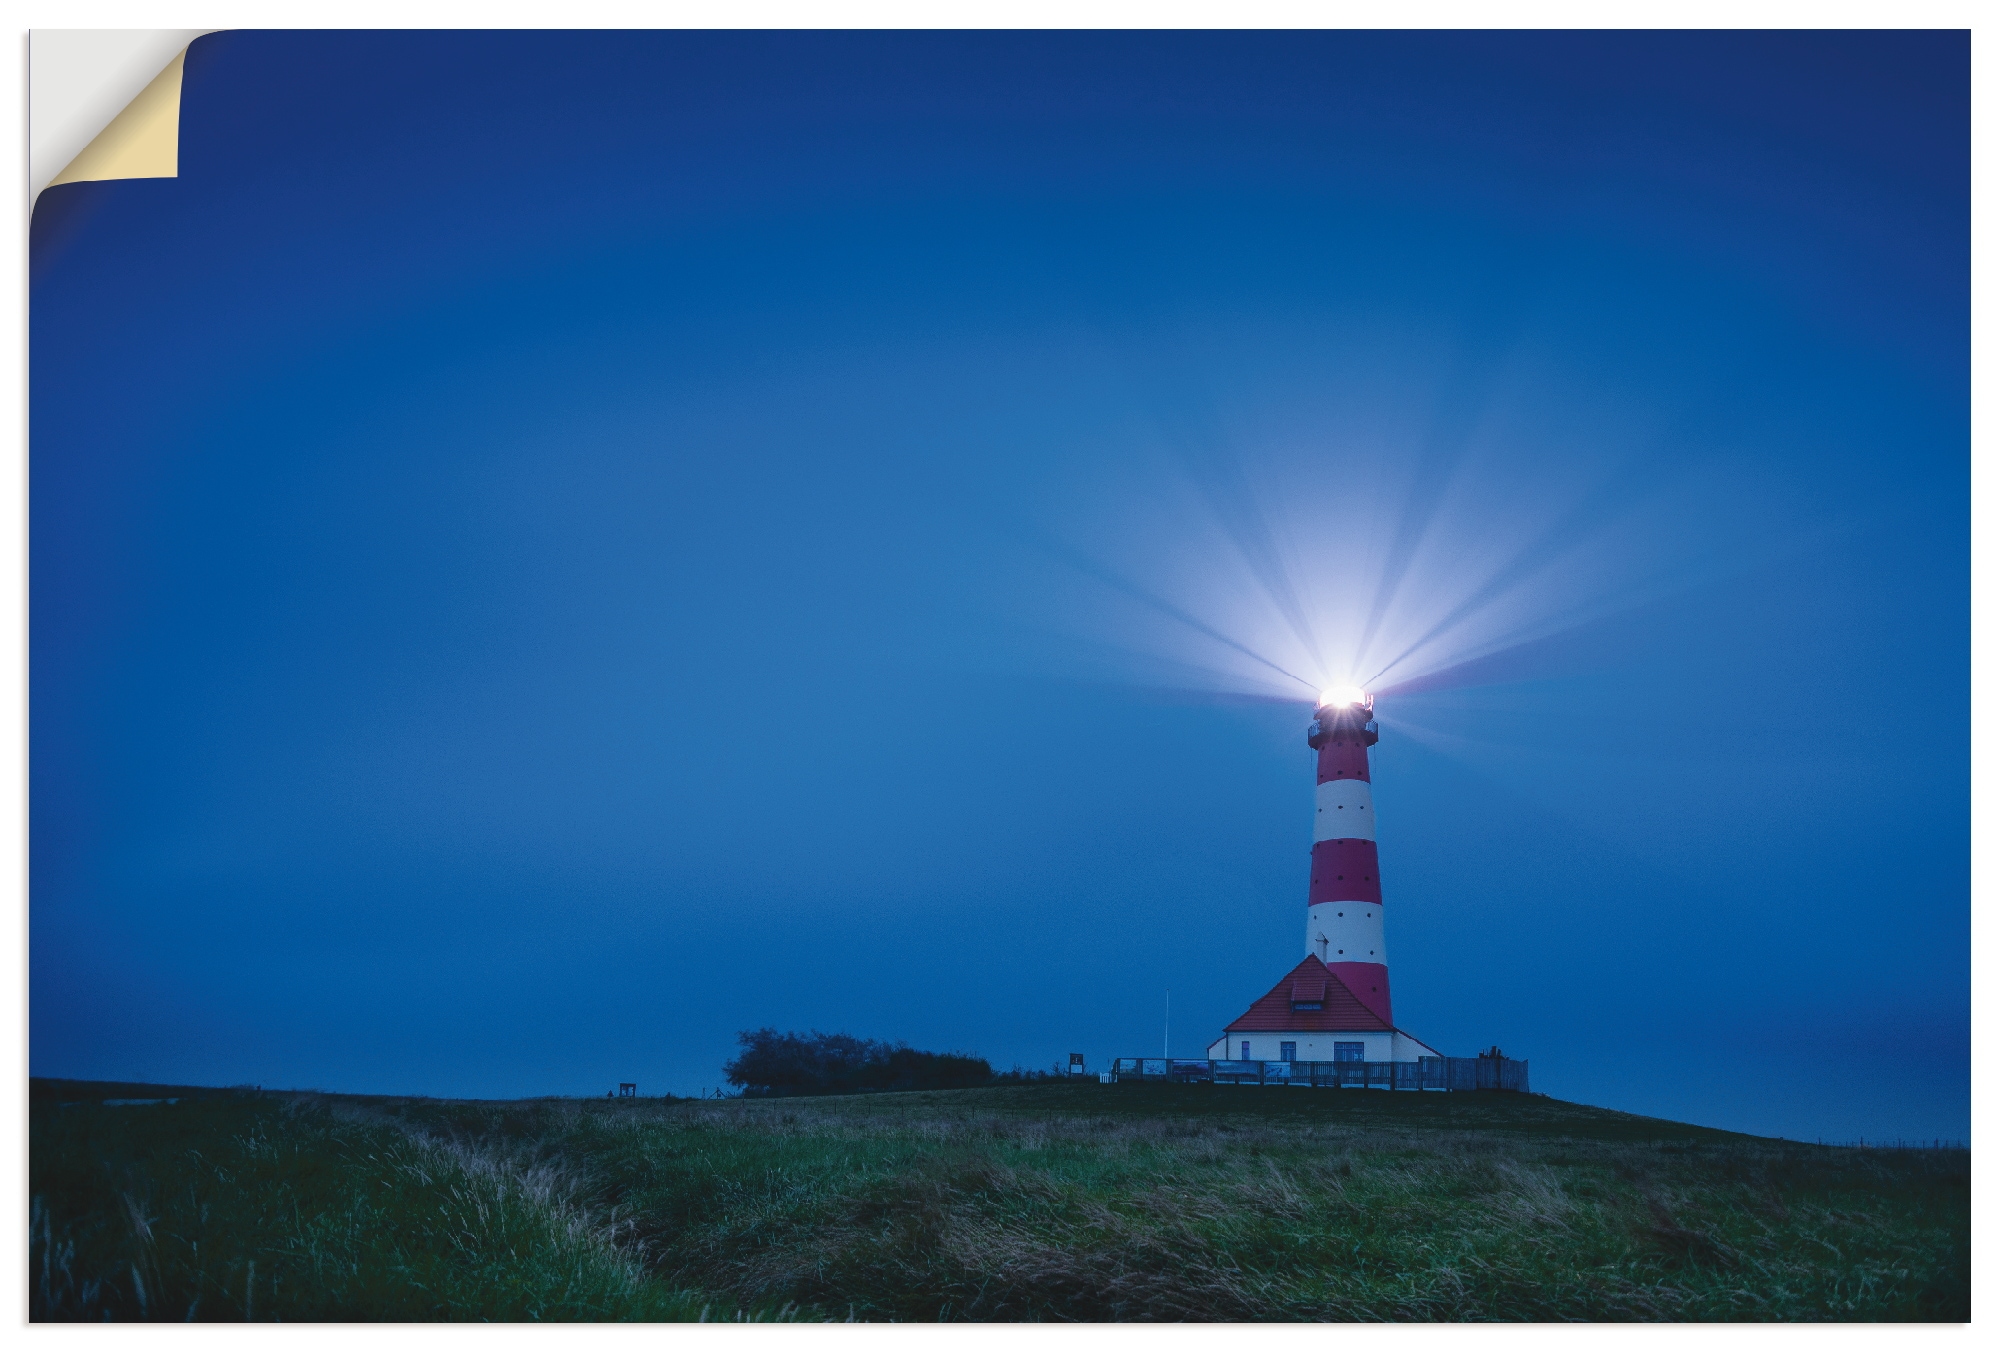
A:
{"x":105,"y":104}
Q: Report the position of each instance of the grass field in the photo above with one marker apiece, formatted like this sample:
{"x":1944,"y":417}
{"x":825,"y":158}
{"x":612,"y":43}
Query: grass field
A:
{"x":1059,"y":1202}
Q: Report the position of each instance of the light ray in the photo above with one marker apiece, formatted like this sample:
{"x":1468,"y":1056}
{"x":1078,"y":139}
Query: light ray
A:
{"x":1373,"y":545}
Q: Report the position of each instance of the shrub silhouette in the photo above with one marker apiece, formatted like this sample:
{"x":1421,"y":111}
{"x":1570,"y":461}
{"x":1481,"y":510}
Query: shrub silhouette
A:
{"x":776,"y":1065}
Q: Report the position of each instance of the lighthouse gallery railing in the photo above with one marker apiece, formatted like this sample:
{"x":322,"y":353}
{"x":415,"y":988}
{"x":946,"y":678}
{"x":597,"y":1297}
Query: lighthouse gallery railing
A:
{"x":1430,"y":1072}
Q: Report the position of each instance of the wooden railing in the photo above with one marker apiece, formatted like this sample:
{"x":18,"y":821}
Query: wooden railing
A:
{"x":1429,"y":1072}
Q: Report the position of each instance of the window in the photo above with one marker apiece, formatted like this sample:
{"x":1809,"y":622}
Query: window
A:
{"x":1288,"y":1051}
{"x":1306,"y":1006}
{"x":1246,"y":1051}
{"x":1347,"y":1051}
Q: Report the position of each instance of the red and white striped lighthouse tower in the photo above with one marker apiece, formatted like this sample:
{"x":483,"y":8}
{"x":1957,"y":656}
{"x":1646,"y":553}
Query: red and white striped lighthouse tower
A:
{"x":1334,"y":1005}
{"x":1344,"y":898}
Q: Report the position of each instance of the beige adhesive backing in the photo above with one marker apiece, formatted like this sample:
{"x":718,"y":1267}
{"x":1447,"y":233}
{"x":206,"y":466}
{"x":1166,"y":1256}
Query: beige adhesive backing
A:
{"x":144,"y":141}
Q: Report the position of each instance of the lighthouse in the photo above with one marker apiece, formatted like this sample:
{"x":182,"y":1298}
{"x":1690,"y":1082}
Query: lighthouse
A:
{"x":1344,"y":898}
{"x":1334,"y":1005}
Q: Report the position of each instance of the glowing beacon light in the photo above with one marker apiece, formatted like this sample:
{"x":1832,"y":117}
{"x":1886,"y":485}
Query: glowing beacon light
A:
{"x":1341,"y":695}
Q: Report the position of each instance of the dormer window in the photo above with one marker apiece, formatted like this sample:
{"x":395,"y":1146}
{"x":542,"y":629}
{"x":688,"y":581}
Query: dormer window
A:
{"x":1307,"y":1006}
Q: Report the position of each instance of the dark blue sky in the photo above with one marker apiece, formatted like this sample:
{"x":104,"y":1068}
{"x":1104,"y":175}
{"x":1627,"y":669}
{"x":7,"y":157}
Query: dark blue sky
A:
{"x":550,"y":549}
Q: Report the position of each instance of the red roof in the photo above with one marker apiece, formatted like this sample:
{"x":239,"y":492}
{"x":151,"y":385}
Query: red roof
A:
{"x":1340,"y":1011}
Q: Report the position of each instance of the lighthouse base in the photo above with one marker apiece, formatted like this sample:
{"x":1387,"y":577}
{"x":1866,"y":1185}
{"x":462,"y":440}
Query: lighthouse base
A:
{"x":1367,"y":982}
{"x":1301,"y":1045}
{"x":1314,"y":1014}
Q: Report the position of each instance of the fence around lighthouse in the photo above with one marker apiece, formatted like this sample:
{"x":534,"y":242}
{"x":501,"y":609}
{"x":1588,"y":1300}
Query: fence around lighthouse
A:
{"x":1429,"y":1072}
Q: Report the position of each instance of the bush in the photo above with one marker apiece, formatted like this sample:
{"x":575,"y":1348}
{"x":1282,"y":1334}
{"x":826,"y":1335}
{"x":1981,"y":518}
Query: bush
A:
{"x":776,"y":1065}
{"x":1058,"y":1074}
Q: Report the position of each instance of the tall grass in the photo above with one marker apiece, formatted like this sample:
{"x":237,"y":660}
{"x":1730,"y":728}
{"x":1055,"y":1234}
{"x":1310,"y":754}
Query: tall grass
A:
{"x":265,"y":1209}
{"x":1063,"y":1202}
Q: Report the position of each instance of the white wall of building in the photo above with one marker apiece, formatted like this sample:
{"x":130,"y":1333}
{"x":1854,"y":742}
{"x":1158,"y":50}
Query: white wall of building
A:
{"x":1408,"y":1048}
{"x":1312,"y":1046}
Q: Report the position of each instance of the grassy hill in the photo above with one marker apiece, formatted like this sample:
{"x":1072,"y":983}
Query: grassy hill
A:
{"x":1034,"y":1202}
